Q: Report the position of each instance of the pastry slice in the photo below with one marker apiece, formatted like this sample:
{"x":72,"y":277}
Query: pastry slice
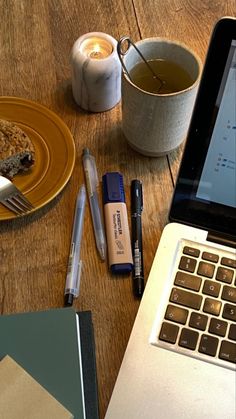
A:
{"x":17,"y":152}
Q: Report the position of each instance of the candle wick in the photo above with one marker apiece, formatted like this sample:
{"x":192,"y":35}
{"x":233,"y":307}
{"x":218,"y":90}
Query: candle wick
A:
{"x":96,"y":54}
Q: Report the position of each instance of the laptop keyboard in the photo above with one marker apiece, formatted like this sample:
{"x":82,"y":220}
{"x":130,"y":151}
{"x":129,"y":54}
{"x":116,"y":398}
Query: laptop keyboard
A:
{"x":200,"y":317}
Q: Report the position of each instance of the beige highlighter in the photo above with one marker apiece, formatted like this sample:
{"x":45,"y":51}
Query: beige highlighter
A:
{"x":116,"y":222}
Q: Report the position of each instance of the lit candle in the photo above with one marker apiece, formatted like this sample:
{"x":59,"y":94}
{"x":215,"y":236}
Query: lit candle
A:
{"x":96,"y":72}
{"x":96,"y":47}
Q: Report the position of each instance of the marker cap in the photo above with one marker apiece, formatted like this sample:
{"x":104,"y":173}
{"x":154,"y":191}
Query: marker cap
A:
{"x":136,"y":196}
{"x":113,"y":188}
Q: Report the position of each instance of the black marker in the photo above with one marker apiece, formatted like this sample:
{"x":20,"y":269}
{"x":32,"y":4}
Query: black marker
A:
{"x":136,"y":236}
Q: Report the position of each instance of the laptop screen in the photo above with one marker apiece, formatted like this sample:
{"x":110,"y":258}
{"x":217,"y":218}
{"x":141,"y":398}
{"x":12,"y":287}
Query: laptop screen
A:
{"x":205,"y":193}
{"x":219,"y":167}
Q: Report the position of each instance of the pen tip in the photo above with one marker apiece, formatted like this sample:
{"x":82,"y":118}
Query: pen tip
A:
{"x":102,"y":253}
{"x":68,"y":300}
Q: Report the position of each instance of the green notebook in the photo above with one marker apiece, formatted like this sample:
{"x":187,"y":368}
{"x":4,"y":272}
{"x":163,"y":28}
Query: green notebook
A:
{"x":46,"y":345}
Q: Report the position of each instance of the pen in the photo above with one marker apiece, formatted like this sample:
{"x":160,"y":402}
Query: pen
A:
{"x":74,"y":262}
{"x":136,"y":237}
{"x":91,"y":177}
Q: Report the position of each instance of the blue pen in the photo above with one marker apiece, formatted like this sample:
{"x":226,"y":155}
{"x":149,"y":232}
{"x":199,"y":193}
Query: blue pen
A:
{"x":74,"y":263}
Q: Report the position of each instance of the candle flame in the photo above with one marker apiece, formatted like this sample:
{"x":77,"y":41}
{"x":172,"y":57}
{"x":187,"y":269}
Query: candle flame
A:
{"x":96,"y":48}
{"x":96,"y":52}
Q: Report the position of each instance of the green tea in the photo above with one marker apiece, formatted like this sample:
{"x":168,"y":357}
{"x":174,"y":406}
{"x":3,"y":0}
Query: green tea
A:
{"x":169,"y":77}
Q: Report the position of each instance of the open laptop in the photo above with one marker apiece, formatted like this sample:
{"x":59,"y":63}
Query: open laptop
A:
{"x":180,"y":361}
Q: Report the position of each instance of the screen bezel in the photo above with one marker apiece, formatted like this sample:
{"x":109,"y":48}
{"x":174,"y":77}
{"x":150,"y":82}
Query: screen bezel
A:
{"x":185,"y":208}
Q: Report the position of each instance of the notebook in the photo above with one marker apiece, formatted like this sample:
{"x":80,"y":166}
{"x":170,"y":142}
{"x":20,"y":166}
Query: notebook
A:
{"x":180,"y":361}
{"x":55,"y":347}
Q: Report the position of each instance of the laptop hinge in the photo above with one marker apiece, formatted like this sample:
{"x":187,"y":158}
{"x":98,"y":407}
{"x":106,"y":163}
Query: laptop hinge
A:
{"x":225,"y":240}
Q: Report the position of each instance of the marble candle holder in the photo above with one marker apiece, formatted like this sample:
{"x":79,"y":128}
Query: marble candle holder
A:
{"x":96,"y":72}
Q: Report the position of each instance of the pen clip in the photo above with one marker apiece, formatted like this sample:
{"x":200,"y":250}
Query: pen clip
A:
{"x":95,"y":173}
{"x":141,"y":197}
{"x":76,"y":290}
{"x":91,"y":173}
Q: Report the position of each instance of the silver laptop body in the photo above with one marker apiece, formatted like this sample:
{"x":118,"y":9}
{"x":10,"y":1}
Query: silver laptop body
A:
{"x":180,"y":361}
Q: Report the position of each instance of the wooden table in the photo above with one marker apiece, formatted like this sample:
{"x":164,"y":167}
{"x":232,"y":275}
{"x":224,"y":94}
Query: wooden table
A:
{"x":35,"y":42}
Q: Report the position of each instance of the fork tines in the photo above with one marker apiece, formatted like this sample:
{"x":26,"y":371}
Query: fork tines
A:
{"x":19,"y":204}
{"x":12,"y":198}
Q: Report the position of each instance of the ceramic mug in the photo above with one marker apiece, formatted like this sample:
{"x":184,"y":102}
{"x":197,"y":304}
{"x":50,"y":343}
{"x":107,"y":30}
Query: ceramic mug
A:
{"x":155,"y":124}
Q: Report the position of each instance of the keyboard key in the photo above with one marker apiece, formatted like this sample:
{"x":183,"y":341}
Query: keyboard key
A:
{"x":185,"y":298}
{"x":218,"y":327}
{"x":198,"y":321}
{"x":211,"y":288}
{"x":191,"y":251}
{"x":187,"y":264}
{"x":169,"y":332}
{"x":229,"y":294}
{"x":229,"y":312}
{"x":211,"y":257}
{"x":206,"y":269}
{"x":231,"y":263}
{"x":224,"y":275}
{"x":232,"y":332}
{"x":176,"y":314}
{"x":228,"y":351}
{"x":208,"y":345}
{"x":191,"y":282}
{"x":212,"y":306}
{"x":188,"y":338}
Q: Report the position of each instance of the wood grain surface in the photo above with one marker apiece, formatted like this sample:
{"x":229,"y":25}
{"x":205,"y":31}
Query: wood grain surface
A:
{"x":36,"y":37}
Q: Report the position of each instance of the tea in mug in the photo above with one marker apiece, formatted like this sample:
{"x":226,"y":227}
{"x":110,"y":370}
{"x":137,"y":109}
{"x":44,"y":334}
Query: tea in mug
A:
{"x":170,"y":77}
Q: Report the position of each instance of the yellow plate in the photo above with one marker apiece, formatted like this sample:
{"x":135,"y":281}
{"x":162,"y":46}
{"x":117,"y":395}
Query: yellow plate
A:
{"x":54,"y":151}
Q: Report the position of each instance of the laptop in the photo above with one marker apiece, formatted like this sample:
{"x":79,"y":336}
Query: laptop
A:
{"x":180,"y":361}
